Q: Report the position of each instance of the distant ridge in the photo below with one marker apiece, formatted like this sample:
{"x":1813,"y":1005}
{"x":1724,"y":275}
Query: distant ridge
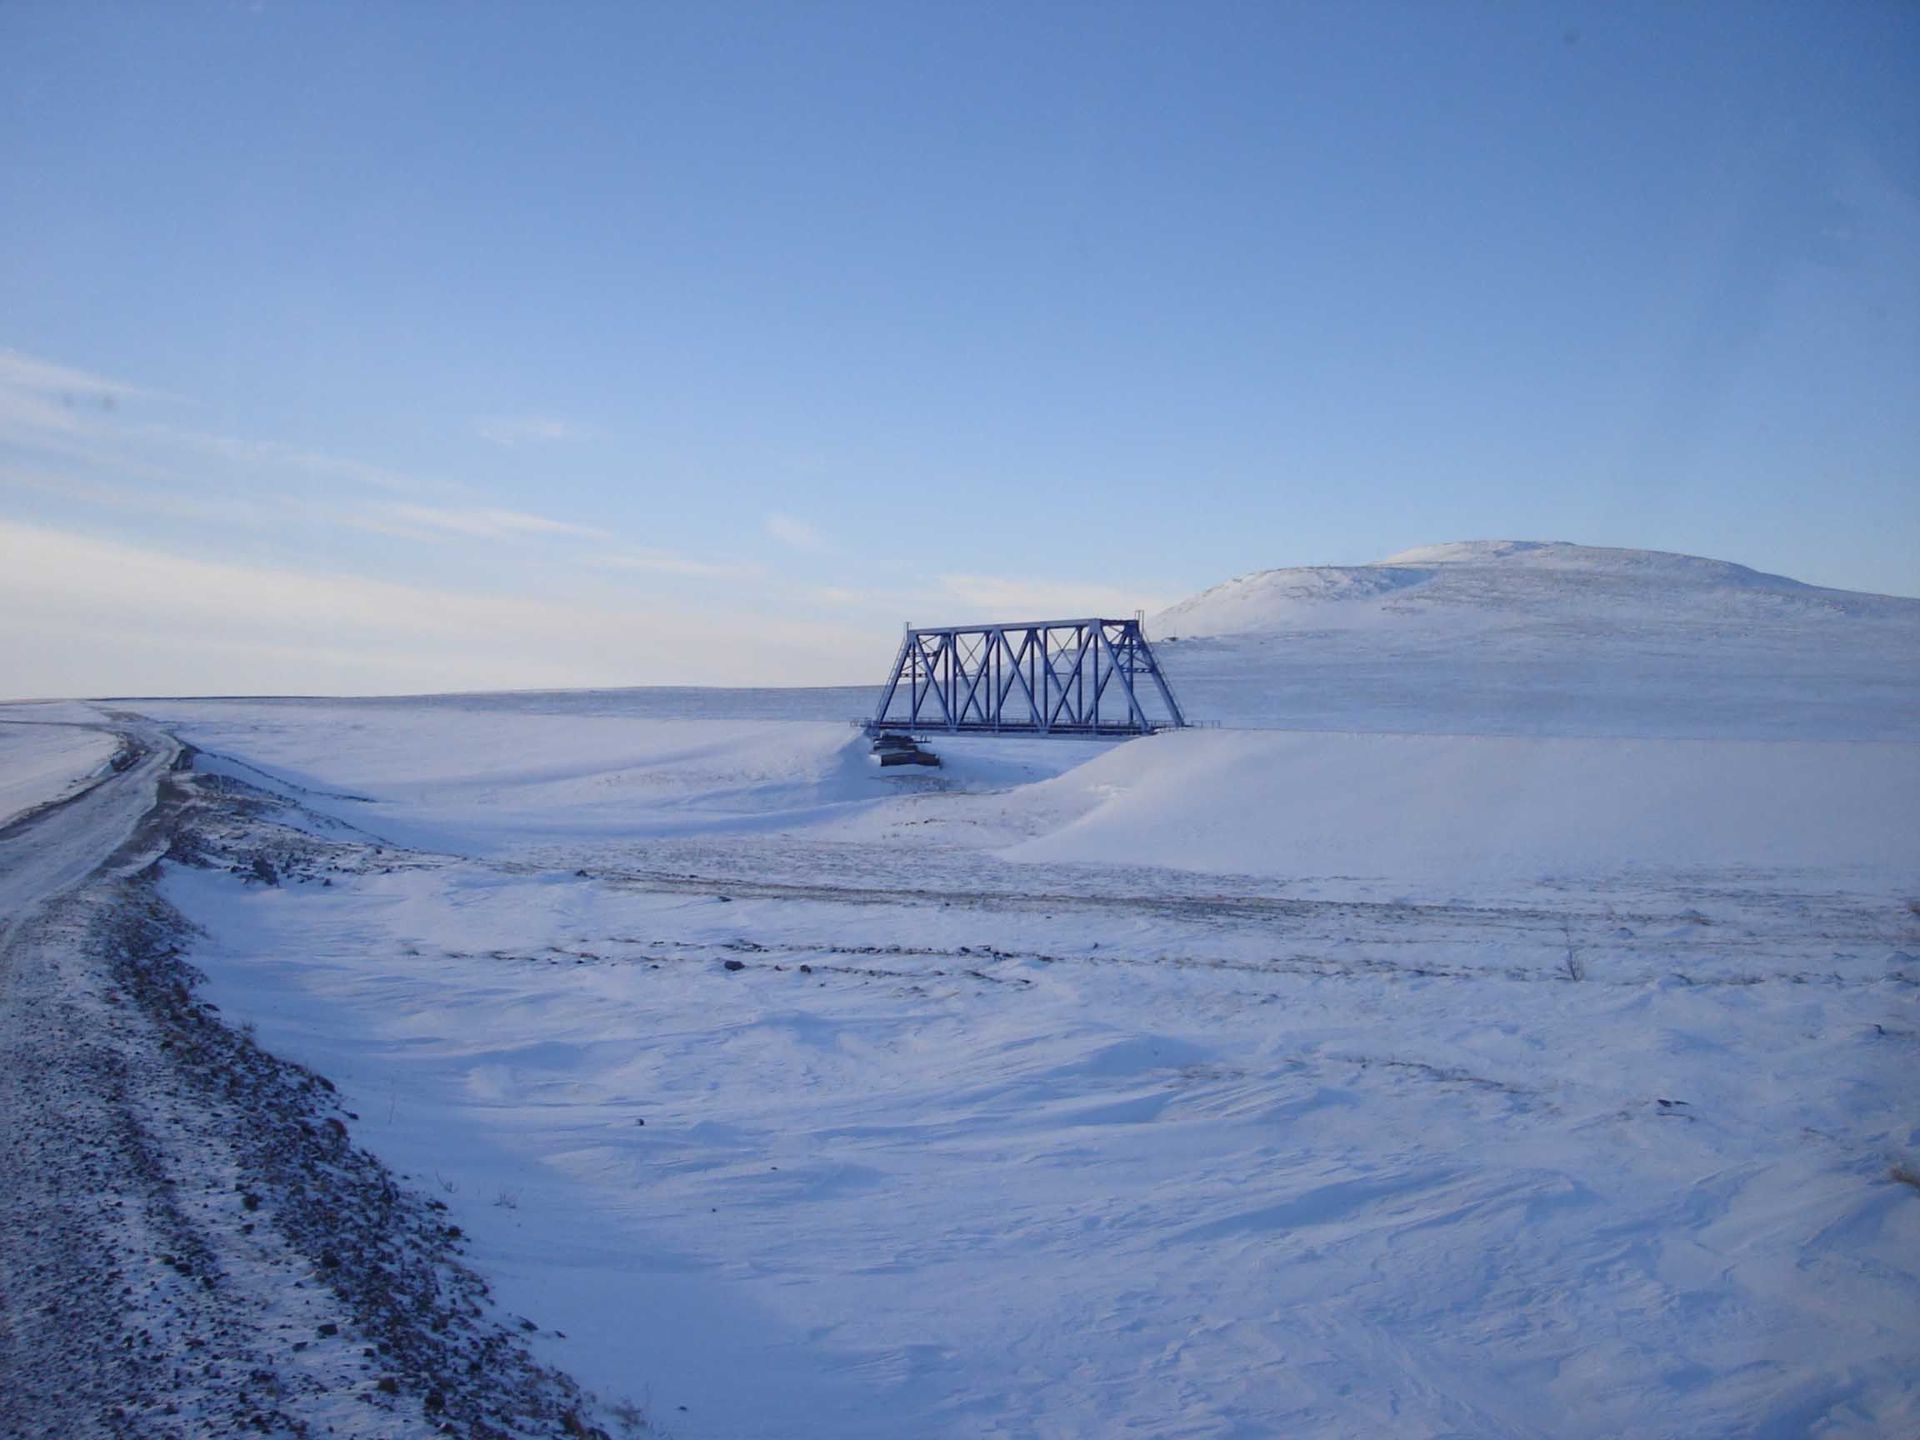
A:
{"x":1475,"y":582}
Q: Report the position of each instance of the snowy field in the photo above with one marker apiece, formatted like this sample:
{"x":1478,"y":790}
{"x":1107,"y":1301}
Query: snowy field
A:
{"x":42,"y":761}
{"x":1505,"y":1024}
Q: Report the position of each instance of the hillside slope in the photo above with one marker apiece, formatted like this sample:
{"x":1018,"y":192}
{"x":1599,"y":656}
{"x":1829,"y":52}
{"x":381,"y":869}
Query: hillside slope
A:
{"x":1525,"y":637}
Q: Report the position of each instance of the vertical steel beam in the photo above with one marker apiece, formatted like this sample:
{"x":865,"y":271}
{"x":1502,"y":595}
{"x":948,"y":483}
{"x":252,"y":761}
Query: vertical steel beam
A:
{"x":1063,"y":670}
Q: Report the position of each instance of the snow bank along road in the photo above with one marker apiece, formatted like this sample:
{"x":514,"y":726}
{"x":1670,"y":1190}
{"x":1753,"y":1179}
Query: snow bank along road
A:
{"x":61,"y":839}
{"x":807,"y":1100}
{"x":187,"y":1244}
{"x":44,"y":760}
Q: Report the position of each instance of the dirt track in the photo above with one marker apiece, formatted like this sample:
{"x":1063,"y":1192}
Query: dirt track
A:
{"x":190,"y":1244}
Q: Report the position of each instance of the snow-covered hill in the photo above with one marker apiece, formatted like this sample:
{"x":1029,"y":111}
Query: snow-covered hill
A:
{"x":1512,"y":582}
{"x":1526,"y":637}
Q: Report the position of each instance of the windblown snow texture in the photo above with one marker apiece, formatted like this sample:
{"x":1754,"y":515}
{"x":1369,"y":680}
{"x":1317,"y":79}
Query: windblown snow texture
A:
{"x":1502,"y":1026}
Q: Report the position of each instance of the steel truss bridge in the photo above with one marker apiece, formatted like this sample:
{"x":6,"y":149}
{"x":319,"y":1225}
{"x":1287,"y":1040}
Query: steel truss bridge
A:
{"x":1047,"y":677}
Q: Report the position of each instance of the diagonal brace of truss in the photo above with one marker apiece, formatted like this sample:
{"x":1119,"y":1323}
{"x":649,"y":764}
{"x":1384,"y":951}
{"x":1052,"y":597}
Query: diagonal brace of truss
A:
{"x":1049,"y":677}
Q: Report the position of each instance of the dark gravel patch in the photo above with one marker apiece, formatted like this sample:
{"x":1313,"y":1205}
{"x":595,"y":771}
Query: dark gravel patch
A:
{"x":190,"y":1242}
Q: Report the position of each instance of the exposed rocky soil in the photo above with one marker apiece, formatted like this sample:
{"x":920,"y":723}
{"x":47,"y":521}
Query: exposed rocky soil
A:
{"x":190,"y":1242}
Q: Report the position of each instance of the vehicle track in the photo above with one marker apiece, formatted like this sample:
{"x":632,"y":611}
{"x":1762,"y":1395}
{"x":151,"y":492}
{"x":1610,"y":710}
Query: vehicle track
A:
{"x":190,"y":1244}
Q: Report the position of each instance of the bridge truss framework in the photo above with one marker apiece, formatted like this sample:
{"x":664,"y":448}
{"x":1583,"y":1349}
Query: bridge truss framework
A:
{"x":1046,"y":677}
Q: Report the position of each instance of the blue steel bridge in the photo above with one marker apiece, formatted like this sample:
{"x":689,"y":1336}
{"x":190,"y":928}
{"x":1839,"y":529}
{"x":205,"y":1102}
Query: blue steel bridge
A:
{"x":1044,"y":677}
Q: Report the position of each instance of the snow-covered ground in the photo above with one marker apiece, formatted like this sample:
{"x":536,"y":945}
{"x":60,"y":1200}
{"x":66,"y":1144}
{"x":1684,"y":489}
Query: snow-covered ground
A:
{"x":1517,"y":638}
{"x":1519,"y":1042}
{"x":42,"y":761}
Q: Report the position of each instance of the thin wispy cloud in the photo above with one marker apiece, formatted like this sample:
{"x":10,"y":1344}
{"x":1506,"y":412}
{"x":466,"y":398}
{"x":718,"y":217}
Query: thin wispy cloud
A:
{"x":107,"y":470}
{"x":266,"y":456}
{"x":528,"y":429}
{"x":791,"y":531}
{"x":261,"y":508}
{"x":838,"y":597}
{"x":92,"y":474}
{"x":21,"y":371}
{"x":40,"y":395}
{"x":668,"y":562}
{"x":62,"y":409}
{"x":475,"y":522}
{"x":82,"y":615}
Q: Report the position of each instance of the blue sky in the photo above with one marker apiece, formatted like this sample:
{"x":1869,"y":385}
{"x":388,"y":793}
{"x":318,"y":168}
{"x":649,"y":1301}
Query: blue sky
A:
{"x":374,"y":347}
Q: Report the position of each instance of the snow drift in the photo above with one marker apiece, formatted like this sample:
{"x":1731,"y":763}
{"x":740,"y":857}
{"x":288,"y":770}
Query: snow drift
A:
{"x":1454,"y":807}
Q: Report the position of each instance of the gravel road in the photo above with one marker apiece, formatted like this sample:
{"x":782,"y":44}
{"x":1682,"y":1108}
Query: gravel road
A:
{"x":190,"y":1244}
